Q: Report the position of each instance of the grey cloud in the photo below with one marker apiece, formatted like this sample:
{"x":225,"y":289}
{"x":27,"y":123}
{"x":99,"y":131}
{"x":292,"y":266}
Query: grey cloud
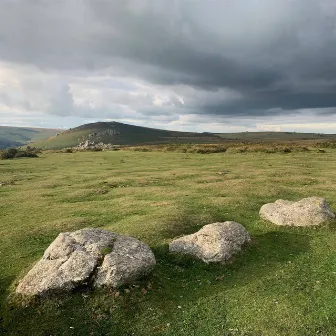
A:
{"x":5,"y":98}
{"x":8,"y":100}
{"x":276,"y":55}
{"x":62,"y":102}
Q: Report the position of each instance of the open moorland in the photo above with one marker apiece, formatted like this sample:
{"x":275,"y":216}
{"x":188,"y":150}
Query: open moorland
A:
{"x":284,"y":283}
{"x":19,"y":136}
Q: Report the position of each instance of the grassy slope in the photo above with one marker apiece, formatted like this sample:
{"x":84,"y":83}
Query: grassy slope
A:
{"x":18,"y":136}
{"x":135,"y":135}
{"x":128,"y":135}
{"x":283,"y":284}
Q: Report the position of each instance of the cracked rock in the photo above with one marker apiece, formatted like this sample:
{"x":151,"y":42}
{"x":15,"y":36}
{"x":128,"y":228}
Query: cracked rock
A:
{"x":88,"y":256}
{"x":130,"y":260}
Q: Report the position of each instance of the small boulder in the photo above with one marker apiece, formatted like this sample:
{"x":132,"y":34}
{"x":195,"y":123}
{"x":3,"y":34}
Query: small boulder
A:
{"x":87,"y":256}
{"x":307,"y":212}
{"x":216,"y":242}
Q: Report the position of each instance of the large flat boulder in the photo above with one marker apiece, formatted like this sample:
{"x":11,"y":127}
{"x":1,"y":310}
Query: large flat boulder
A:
{"x":88,"y":256}
{"x":307,"y":212}
{"x":216,"y":242}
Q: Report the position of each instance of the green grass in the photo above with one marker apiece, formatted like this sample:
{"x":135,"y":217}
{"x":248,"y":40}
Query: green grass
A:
{"x":284,"y":283}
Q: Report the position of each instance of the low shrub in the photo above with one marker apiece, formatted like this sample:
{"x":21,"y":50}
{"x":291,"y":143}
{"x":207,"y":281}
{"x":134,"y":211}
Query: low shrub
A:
{"x":181,"y":148}
{"x":210,"y":149}
{"x":300,"y":149}
{"x":95,"y":149}
{"x":141,"y":149}
{"x":9,"y":153}
{"x":21,"y":154}
{"x":287,"y":150}
{"x":327,"y":144}
{"x":13,"y":153}
{"x":236,"y":150}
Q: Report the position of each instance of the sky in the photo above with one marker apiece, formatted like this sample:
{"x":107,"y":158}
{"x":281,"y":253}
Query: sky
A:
{"x":191,"y":65}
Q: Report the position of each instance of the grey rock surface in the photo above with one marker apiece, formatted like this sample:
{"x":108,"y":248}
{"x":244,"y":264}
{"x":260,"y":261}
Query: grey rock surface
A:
{"x":216,"y":242}
{"x":130,"y":260}
{"x":85,"y":256}
{"x":306,"y":212}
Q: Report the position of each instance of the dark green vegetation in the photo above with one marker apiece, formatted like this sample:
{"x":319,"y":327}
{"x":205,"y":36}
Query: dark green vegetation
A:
{"x":123,"y":134}
{"x":283,"y":284}
{"x":14,"y":153}
{"x":19,"y":136}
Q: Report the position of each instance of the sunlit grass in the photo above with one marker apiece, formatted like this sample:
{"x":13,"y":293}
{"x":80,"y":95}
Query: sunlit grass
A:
{"x":284,"y":283}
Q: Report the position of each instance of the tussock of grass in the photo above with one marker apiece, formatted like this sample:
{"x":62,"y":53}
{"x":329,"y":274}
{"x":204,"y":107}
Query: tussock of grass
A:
{"x":327,"y":144}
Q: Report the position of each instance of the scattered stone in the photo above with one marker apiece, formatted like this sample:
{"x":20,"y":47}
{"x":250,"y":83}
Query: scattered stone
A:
{"x":88,"y":144}
{"x":155,"y":204}
{"x":223,"y":172}
{"x":88,"y":256}
{"x":216,"y":242}
{"x":109,"y":132}
{"x":309,"y":211}
{"x":101,"y":191}
{"x":6,"y":183}
{"x":91,"y":145}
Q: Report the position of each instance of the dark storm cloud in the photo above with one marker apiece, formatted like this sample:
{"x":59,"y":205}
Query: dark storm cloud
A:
{"x":275,"y":54}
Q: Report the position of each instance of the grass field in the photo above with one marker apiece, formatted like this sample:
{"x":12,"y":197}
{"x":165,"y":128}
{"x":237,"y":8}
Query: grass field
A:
{"x":284,"y":283}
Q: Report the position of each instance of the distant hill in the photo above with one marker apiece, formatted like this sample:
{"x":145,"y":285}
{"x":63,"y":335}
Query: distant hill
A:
{"x":123,"y":134}
{"x":19,"y":136}
{"x":275,"y":136}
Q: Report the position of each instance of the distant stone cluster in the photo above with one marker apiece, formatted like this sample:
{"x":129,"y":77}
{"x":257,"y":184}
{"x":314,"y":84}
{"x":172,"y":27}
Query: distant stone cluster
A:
{"x":109,"y":132}
{"x":87,"y":145}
